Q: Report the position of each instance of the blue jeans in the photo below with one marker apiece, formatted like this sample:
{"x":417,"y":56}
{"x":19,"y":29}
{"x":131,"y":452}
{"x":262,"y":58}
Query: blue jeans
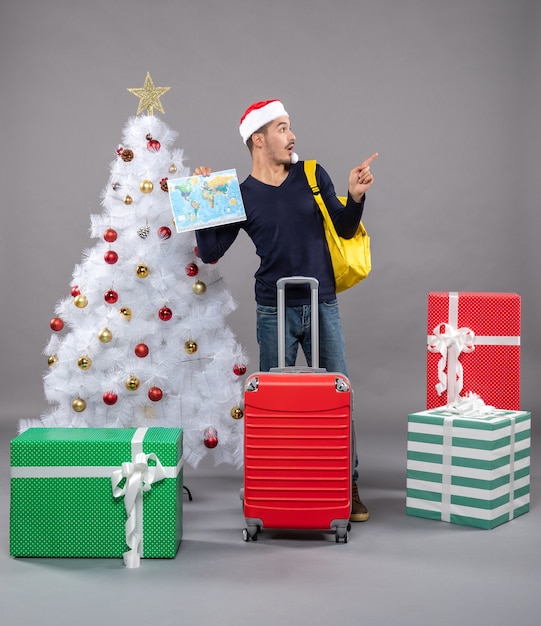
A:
{"x":332,"y":352}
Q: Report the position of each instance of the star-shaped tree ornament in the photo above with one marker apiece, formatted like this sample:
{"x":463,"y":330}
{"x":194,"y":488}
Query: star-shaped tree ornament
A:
{"x":149,"y":96}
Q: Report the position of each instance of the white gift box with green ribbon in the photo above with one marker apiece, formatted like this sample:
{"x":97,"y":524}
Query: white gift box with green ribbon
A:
{"x":468,"y":470}
{"x":96,"y":492}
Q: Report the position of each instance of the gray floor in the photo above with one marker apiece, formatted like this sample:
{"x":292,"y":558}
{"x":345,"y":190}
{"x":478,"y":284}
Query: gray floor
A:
{"x":395,"y":569}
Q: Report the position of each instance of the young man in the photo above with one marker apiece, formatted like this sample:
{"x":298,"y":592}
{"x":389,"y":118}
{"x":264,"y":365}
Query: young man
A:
{"x":286,"y":226}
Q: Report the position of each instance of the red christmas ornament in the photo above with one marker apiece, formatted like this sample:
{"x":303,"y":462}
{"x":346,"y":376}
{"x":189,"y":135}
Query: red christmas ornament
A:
{"x":153,"y":145}
{"x":56,"y":324}
{"x":164,"y":232}
{"x":141,"y":350}
{"x":110,"y":235}
{"x":155,"y":394}
{"x":75,"y":291}
{"x":110,"y":296}
{"x":110,"y":398}
{"x":210,"y":437}
{"x":163,"y":184}
{"x":110,"y":257}
{"x":191,"y":269}
{"x":165,"y":314}
{"x":239,"y":369}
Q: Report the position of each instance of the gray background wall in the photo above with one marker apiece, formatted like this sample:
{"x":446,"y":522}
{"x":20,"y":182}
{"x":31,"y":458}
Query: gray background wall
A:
{"x":447,"y":92}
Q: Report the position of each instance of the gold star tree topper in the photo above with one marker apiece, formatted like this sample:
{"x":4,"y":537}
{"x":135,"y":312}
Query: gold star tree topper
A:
{"x":149,"y":96}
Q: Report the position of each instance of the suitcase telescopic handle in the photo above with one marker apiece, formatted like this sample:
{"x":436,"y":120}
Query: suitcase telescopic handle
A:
{"x":314,"y":315}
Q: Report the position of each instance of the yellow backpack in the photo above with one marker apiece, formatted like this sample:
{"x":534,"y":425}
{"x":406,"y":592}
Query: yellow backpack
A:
{"x":351,"y":258}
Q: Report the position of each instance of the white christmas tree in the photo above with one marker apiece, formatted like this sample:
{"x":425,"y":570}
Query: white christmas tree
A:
{"x":142,"y":339}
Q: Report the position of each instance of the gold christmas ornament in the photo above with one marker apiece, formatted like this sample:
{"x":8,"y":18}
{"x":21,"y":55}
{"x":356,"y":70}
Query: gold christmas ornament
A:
{"x":80,"y":301}
{"x":172,"y":168}
{"x":128,"y":199}
{"x":237,"y":413}
{"x":146,"y":186}
{"x":105,"y":335}
{"x":126,"y":313}
{"x":52,"y":360}
{"x":199,"y":288}
{"x":149,"y":96}
{"x":142,"y":270}
{"x":132,"y":383}
{"x":190,"y":347}
{"x":84,"y":362}
{"x":78,"y":405}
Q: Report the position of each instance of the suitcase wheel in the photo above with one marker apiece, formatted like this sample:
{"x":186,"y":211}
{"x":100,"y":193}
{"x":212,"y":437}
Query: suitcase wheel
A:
{"x":250,"y":533}
{"x":341,"y":535}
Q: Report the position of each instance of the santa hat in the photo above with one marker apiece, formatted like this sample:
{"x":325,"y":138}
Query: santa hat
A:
{"x":259,"y":114}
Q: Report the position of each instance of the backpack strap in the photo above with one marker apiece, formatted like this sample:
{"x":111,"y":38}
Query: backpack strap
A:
{"x":310,"y":172}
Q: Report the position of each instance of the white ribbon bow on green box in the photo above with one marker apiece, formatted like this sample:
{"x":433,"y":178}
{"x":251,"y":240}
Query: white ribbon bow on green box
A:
{"x":138,"y":476}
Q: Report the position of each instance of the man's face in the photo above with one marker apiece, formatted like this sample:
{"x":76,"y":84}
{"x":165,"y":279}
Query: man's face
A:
{"x":279,"y":141}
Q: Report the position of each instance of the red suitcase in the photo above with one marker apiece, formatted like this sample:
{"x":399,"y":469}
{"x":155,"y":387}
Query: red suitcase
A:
{"x":297,"y":441}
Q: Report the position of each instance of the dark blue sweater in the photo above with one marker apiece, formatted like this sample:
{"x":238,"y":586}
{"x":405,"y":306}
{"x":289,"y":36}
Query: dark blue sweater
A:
{"x":286,"y":226}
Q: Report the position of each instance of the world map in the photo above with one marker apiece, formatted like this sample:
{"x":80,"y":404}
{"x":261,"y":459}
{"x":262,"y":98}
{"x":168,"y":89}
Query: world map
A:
{"x":205,"y":201}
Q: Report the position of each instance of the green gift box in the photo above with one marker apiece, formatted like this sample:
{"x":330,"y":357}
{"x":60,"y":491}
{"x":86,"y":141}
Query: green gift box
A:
{"x":94,"y":492}
{"x":468,"y":470}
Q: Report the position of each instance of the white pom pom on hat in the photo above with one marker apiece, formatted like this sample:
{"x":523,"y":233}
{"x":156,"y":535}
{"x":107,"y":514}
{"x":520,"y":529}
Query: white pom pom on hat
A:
{"x":258,"y":114}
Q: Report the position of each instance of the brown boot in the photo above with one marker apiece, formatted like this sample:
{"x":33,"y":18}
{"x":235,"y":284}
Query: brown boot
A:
{"x":359,"y":513}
